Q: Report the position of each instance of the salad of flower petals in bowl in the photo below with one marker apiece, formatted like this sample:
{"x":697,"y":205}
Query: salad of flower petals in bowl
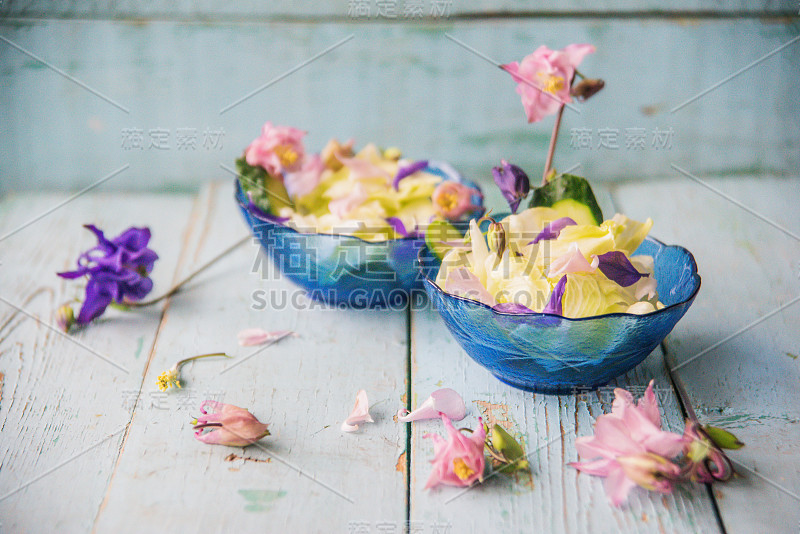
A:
{"x":548,"y":300}
{"x":344,"y":225}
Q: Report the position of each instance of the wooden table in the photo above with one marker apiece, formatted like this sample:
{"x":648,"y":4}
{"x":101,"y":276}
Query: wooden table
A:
{"x":88,"y":443}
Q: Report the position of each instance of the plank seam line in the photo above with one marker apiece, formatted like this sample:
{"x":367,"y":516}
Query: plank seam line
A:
{"x":469,"y":17}
{"x":409,"y":426}
{"x":185,"y":251}
{"x":688,"y":412}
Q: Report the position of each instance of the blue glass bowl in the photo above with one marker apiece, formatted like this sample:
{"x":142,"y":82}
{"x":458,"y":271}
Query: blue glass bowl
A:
{"x":548,"y":353}
{"x":347,"y":270}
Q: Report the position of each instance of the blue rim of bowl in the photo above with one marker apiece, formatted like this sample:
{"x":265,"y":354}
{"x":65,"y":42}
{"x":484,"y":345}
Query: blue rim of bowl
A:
{"x":695,"y":275}
{"x":239,"y":196}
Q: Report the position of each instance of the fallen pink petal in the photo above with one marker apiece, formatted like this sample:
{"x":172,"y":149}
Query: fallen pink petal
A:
{"x":228,"y":425}
{"x":250,"y":337}
{"x":442,"y":401}
{"x":360,"y":413}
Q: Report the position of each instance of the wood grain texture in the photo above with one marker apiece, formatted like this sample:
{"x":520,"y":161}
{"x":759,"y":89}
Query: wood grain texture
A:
{"x":309,"y":476}
{"x":556,"y":498}
{"x":747,"y":384}
{"x":394,"y":84}
{"x":63,"y":407}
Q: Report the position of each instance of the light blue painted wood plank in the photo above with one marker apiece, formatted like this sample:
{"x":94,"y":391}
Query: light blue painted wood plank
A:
{"x":62,"y":406}
{"x":556,"y":498}
{"x":309,"y":476}
{"x":748,"y":383}
{"x":405,"y":85}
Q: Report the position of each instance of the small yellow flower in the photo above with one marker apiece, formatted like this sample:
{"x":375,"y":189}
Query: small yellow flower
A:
{"x":168,"y":379}
{"x":172,"y":377}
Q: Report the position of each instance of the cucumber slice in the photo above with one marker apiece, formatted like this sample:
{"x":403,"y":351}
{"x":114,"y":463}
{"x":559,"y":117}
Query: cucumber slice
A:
{"x":571,"y":196}
{"x":437,"y":236}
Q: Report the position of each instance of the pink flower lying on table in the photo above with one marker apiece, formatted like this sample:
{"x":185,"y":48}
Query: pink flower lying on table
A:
{"x":543,"y":78}
{"x":458,"y":460}
{"x":228,"y":425}
{"x":442,"y":401}
{"x":629,"y":447}
{"x":278,"y":149}
{"x":360,"y":413}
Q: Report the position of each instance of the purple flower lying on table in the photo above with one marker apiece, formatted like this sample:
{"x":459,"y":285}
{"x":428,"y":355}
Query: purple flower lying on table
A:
{"x":117,"y":270}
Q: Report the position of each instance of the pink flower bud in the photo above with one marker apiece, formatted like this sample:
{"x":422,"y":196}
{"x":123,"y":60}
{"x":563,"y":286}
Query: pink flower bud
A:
{"x":228,"y":425}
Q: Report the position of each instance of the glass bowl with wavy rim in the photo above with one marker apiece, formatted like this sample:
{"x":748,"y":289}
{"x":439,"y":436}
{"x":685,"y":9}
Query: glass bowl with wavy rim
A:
{"x":344,"y":269}
{"x":547,"y":353}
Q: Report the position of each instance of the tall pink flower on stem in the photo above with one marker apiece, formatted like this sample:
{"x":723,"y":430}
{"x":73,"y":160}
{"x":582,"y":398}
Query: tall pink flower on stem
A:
{"x":629,"y":448}
{"x":458,"y":460}
{"x":544,"y":78}
{"x":544,"y":81}
{"x":277,"y":149}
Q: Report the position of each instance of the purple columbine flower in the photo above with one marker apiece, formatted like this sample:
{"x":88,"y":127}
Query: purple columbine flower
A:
{"x":408,"y":170}
{"x":513,"y":183}
{"x":617,"y":267}
{"x":552,"y":230}
{"x":117,"y":270}
{"x":554,"y":305}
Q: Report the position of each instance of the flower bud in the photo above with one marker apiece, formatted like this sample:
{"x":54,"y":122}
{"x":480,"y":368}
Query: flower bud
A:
{"x":65,"y":317}
{"x":587,"y":88}
{"x":650,"y":471}
{"x":392,"y":153}
{"x":513,"y":183}
{"x":706,"y":461}
{"x":509,"y":448}
{"x":496,"y":238}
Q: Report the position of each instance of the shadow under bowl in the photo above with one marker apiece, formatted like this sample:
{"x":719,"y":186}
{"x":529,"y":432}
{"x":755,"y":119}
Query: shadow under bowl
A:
{"x":547,"y":353}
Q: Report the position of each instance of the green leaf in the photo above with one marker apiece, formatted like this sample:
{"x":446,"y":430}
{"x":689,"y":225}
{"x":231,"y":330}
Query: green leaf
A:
{"x":571,"y":196}
{"x":266,"y":191}
{"x":723,"y":438}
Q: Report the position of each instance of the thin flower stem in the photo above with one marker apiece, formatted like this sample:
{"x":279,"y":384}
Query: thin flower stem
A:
{"x":186,"y":360}
{"x":177,"y":287}
{"x":553,"y":139}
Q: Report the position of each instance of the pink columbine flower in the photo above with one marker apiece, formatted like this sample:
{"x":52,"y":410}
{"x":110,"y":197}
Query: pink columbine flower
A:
{"x":442,"y":401}
{"x":228,"y":425}
{"x":458,"y":460}
{"x":278,"y":149}
{"x":453,"y":200}
{"x":624,"y":444}
{"x":543,"y":78}
{"x":360,"y":413}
